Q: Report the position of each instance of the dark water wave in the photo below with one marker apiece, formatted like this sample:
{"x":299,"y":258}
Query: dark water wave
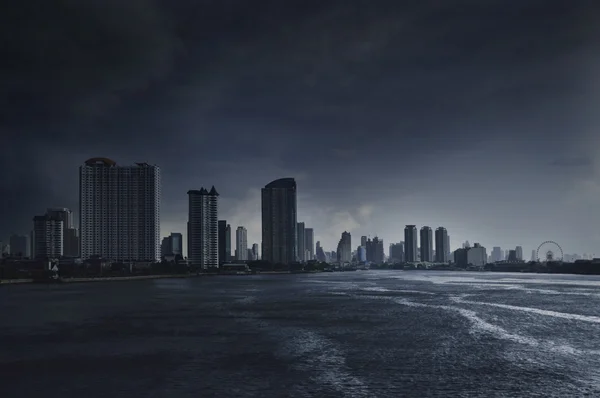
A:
{"x":363,"y":334}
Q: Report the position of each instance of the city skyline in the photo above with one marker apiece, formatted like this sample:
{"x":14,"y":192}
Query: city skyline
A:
{"x":495,"y":104}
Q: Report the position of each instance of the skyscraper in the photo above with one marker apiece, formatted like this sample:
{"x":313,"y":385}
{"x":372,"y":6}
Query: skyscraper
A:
{"x":320,"y":253}
{"x":224,"y":242}
{"x":441,"y":248}
{"x":48,"y":235}
{"x":241,"y":244}
{"x":172,"y":245}
{"x":410,"y":244}
{"x":119,"y":215}
{"x":519,"y":253}
{"x":344,"y":249}
{"x":203,"y":228}
{"x":426,"y":244}
{"x":363,"y":241}
{"x":301,"y":242}
{"x":397,"y":252}
{"x":279,"y":229}
{"x":309,"y":246}
{"x":70,"y":234}
{"x":255,"y":251}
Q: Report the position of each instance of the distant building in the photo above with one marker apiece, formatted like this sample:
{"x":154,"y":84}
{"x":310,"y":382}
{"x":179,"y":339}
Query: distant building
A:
{"x":309,"y":245}
{"x":172,"y":245}
{"x":375,"y":252}
{"x":48,"y":235}
{"x":533,"y":256}
{"x":241,"y":244}
{"x":519,"y":253}
{"x":279,"y":222}
{"x":255,"y":252}
{"x":361,"y":254}
{"x":70,"y":234}
{"x":224,"y":242}
{"x":203,"y":228}
{"x":119,"y":217}
{"x":396,"y":252}
{"x":410,"y":243}
{"x":320,"y":253}
{"x":468,"y":255}
{"x":344,"y":249}
{"x":19,"y":246}
{"x":441,"y":248}
{"x":301,"y":242}
{"x":363,"y":241}
{"x":496,"y":254}
{"x":426,"y":244}
{"x":512,"y":256}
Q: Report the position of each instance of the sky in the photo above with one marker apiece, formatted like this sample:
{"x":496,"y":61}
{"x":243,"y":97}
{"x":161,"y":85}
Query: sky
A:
{"x":477,"y":115}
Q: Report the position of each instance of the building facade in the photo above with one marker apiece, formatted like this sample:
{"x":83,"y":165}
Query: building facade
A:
{"x":441,"y":248}
{"x":309,"y":245}
{"x":344,"y":249}
{"x":119,"y":218}
{"x":241,"y":244}
{"x":279,"y":221}
{"x":224,"y":242}
{"x":48,"y":237}
{"x":203,"y":229}
{"x":410,"y":243}
{"x":426,"y":244}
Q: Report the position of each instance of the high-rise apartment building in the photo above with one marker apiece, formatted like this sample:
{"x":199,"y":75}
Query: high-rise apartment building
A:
{"x":309,"y":245}
{"x":279,"y":222}
{"x":426,"y":244}
{"x":344,"y":249}
{"x":396,"y":252}
{"x":48,"y":236}
{"x":70,"y":234}
{"x":255,"y":251}
{"x":224,"y":242}
{"x":410,"y":243}
{"x":203,"y":229}
{"x":119,"y":211}
{"x":241,"y":244}
{"x":374,"y":249}
{"x":363,"y":241}
{"x":441,"y":248}
{"x":301,"y":241}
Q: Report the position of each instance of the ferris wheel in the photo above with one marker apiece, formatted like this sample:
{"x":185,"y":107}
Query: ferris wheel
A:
{"x":550,"y":251}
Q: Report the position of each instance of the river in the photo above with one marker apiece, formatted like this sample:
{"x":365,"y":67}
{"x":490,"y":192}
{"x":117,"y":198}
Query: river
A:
{"x":354,"y":334}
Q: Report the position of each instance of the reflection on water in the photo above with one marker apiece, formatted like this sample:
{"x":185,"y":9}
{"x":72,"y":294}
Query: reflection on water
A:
{"x":361,"y":334}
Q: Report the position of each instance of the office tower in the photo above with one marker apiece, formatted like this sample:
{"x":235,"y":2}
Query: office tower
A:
{"x":172,"y":245}
{"x":344,"y":249}
{"x":426,"y":244}
{"x":48,"y":235}
{"x":279,"y":229}
{"x":533,"y":256}
{"x":224,"y":242}
{"x":119,"y":217}
{"x":309,"y":245}
{"x":320,"y":253}
{"x":241,"y":244}
{"x":410,"y":243}
{"x":70,"y":234}
{"x":519,"y":253}
{"x":255,"y":251}
{"x":19,"y":246}
{"x":512,"y":256}
{"x":300,"y":242}
{"x":363,"y":241}
{"x":449,"y":249}
{"x":441,"y":250}
{"x":203,"y":229}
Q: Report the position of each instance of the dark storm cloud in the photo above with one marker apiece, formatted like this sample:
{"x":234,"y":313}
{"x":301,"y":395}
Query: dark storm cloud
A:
{"x":236,"y":92}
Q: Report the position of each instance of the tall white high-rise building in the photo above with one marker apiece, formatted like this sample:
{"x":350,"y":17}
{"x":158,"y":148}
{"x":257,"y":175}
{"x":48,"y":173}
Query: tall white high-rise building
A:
{"x":119,"y":211}
{"x":241,"y":244}
{"x":48,"y":236}
{"x":203,"y":228}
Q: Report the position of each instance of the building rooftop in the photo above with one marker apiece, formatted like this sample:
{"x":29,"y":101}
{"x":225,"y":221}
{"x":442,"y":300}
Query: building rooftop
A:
{"x":282,"y":183}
